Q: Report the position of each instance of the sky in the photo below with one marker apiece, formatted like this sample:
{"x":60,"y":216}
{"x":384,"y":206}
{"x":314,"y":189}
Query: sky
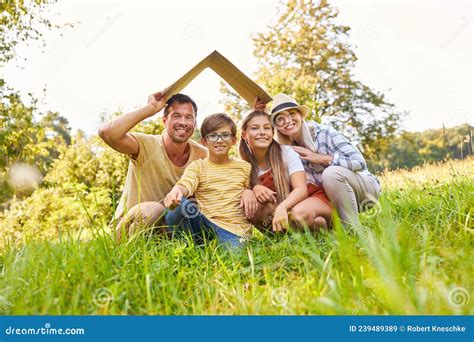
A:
{"x":418,"y":53}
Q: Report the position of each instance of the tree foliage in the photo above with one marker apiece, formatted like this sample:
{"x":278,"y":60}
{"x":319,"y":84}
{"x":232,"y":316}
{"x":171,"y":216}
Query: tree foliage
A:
{"x":417,"y":148}
{"x":26,"y":139}
{"x":307,"y":55}
{"x":22,"y":21}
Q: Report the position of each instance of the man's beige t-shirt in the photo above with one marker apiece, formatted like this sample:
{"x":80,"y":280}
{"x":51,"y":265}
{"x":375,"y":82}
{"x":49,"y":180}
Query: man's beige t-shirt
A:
{"x":152,"y":175}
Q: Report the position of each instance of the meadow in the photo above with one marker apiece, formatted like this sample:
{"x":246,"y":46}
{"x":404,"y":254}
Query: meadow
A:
{"x":412,"y":254}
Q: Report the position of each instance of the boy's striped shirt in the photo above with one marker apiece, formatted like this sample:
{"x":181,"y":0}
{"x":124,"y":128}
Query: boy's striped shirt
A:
{"x":218,"y":190}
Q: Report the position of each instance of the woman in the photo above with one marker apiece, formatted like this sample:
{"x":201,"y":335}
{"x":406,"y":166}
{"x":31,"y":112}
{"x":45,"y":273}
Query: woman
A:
{"x":278,"y":179}
{"x":328,"y":157}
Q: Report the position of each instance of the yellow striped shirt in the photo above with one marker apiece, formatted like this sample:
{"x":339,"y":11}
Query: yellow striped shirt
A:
{"x":218,"y":189}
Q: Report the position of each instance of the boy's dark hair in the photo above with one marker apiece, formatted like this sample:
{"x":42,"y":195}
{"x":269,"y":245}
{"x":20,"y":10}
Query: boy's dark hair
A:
{"x":215,"y":121}
{"x":180,"y":98}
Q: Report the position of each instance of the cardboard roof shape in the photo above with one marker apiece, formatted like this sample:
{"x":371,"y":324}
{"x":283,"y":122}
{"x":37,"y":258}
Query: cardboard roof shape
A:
{"x":243,"y":85}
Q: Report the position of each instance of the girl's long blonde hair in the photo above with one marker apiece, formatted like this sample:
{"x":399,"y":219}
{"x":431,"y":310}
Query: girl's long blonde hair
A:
{"x":273,"y":157}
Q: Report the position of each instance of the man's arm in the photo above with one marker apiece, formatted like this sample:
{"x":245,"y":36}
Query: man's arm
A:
{"x":116,"y":132}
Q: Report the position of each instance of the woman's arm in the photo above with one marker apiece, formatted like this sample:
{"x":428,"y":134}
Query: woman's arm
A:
{"x":344,"y":153}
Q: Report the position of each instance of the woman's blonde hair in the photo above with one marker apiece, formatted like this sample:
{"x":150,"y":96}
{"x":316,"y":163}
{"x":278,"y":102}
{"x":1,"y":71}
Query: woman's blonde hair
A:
{"x":273,"y":157}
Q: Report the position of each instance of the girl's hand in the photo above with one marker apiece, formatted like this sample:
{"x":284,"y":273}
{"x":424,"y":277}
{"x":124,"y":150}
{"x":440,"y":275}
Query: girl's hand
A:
{"x":249,"y":203}
{"x":264,"y":195}
{"x":280,"y":218}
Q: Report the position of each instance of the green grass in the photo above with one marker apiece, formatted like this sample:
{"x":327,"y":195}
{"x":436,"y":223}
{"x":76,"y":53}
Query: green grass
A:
{"x":413,"y":254}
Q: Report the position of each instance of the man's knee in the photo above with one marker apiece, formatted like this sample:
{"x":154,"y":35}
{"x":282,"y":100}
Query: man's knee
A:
{"x":146,"y":212}
{"x":137,"y":218}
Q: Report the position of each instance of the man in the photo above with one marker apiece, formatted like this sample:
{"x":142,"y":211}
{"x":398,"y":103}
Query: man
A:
{"x":156,"y":161}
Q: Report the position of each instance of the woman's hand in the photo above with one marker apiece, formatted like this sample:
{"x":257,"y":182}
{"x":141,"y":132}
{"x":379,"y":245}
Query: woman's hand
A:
{"x":264,"y":195}
{"x":313,"y":157}
{"x":280,"y":218}
{"x":259,"y":105}
{"x":249,"y":202}
{"x":173,"y":199}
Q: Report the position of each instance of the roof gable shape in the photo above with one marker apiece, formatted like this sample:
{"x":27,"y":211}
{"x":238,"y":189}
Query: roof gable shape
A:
{"x":242,"y":84}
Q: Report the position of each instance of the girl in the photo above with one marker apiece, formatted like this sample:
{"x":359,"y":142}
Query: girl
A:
{"x":278,"y":179}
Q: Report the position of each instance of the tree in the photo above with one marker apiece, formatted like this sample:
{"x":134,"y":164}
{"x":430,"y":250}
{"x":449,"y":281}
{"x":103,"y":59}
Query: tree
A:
{"x":22,"y":138}
{"x":26,"y":140}
{"x":22,"y":21}
{"x":307,"y":55}
{"x":411,"y":149}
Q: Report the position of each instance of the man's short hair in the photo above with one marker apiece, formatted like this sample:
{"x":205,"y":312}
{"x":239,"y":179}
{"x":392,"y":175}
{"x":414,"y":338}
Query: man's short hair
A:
{"x":180,"y":98}
{"x":215,"y":121}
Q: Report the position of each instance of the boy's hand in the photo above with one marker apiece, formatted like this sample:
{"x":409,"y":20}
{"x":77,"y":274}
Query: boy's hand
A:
{"x":249,"y":203}
{"x":264,"y":195}
{"x":173,"y":199}
{"x":280,"y":218}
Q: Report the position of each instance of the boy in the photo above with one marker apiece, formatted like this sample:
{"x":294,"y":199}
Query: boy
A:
{"x":219,"y":184}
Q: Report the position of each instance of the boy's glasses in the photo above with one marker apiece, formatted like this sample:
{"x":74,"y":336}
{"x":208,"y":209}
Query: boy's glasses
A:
{"x":214,"y":137}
